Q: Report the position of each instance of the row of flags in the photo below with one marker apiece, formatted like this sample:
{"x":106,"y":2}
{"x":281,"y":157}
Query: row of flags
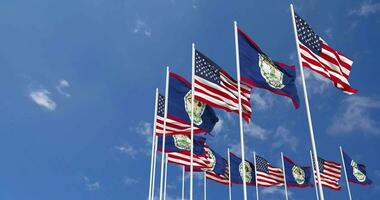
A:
{"x":190,"y":107}
{"x":221,"y":170}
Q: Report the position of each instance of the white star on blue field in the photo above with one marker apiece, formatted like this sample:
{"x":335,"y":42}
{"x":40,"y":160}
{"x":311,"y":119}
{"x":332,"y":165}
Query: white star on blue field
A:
{"x":78,"y":80}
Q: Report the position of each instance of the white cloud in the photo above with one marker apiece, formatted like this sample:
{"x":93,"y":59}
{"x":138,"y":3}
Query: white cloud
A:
{"x":130,"y":181}
{"x":91,"y":186}
{"x":316,"y":82}
{"x":41,"y":97}
{"x":283,"y":137}
{"x":355,"y":115}
{"x":329,"y":34}
{"x":127,"y":149}
{"x":275,"y":190}
{"x":141,"y":27}
{"x":261,"y":100}
{"x":256,"y":131}
{"x":366,"y":8}
{"x":145,"y":129}
{"x":61,"y":86}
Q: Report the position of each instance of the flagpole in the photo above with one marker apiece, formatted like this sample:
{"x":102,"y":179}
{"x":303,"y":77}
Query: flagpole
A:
{"x":313,"y":145}
{"x":229,"y":175}
{"x":345,"y":173}
{"x":166,"y":175}
{"x":153,"y":145}
{"x":204,"y":186}
{"x":283,"y":171}
{"x":154,"y":166}
{"x":153,"y":141}
{"x":164,"y":132}
{"x":257,"y":185}
{"x":183,"y":182}
{"x":240,"y":110}
{"x":315,"y":183}
{"x":192,"y":119}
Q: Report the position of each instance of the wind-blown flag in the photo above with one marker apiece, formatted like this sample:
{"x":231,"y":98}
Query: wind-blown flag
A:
{"x":267,"y":175}
{"x":237,"y":167}
{"x":297,"y":176}
{"x":180,"y":143}
{"x":215,"y":87}
{"x":317,"y":55}
{"x":258,"y":70}
{"x":356,"y":173}
{"x":330,"y":173}
{"x":179,"y":109}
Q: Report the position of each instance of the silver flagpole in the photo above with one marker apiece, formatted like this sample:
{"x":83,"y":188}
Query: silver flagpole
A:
{"x":240,"y":110}
{"x":229,"y":175}
{"x":183,"y":182}
{"x":345,"y":173}
{"x":315,"y":183}
{"x":204,"y":186}
{"x":153,"y":149}
{"x":313,"y":145}
{"x":164,"y":132}
{"x":283,"y":171}
{"x":154,"y":166}
{"x":192,"y":119}
{"x":166,"y":175}
{"x":257,"y":184}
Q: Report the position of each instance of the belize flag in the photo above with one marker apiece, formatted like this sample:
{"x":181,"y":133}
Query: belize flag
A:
{"x":180,"y":143}
{"x":237,"y":167}
{"x":297,"y":176}
{"x":258,"y":70}
{"x":356,"y":173}
{"x":179,"y":106}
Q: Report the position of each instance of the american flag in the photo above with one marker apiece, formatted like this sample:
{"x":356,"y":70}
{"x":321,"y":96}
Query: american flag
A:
{"x":266,"y":174}
{"x":173,"y":126}
{"x":220,"y":178}
{"x":330,"y":173}
{"x":317,"y":55}
{"x":183,"y":158}
{"x":216,"y":88}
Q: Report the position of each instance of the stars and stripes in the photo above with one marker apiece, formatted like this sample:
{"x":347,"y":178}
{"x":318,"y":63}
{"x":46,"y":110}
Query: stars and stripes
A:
{"x":317,"y":55}
{"x":183,"y":158}
{"x":267,"y":175}
{"x":330,"y":173}
{"x":216,"y":88}
{"x":220,"y":178}
{"x":173,"y":125}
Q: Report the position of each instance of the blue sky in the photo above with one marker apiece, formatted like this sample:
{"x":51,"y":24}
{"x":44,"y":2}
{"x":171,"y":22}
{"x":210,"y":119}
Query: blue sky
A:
{"x":78,"y":80}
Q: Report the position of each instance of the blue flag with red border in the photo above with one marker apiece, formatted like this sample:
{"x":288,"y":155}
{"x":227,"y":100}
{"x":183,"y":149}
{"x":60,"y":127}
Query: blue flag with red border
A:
{"x":180,"y":143}
{"x":179,"y":106}
{"x":356,"y":173}
{"x":237,"y":167}
{"x":258,"y":70}
{"x":297,"y":176}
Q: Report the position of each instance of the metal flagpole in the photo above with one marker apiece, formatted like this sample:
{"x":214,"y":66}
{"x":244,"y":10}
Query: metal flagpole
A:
{"x":204,"y":185}
{"x":315,"y":183}
{"x":154,"y":166}
{"x":345,"y":173}
{"x":229,"y":176}
{"x":283,"y":171}
{"x":153,"y":145}
{"x":183,"y":182}
{"x":166,"y":175}
{"x":164,"y":134}
{"x":257,"y":185}
{"x":240,"y":110}
{"x":313,"y":145}
{"x":192,"y":119}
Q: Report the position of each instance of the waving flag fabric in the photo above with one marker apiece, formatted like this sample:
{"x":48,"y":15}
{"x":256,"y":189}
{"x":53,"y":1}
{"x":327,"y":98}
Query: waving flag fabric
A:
{"x":297,"y":176}
{"x":173,"y":125}
{"x":317,"y":55}
{"x":267,"y":175}
{"x":356,"y":173}
{"x":237,"y":167}
{"x":179,"y":109}
{"x":330,"y":173}
{"x":258,"y":70}
{"x":215,"y":87}
{"x":180,"y":143}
